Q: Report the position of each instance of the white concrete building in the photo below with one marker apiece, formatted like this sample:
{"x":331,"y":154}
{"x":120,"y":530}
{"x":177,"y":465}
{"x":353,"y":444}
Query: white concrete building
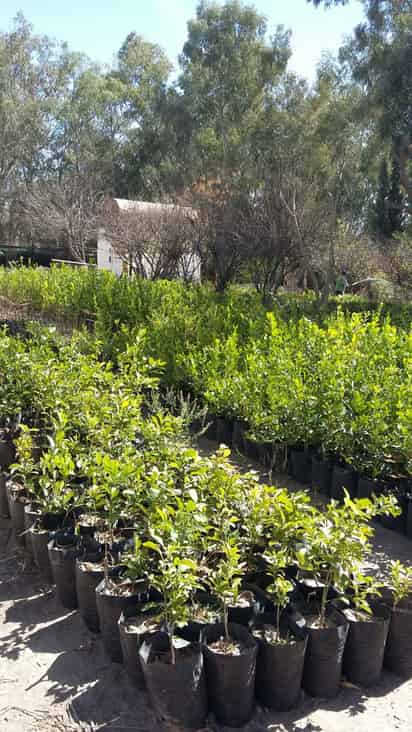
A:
{"x":107,"y":257}
{"x":123,"y":256}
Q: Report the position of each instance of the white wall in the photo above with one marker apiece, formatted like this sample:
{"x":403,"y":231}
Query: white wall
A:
{"x":189,"y":267}
{"x":107,"y":257}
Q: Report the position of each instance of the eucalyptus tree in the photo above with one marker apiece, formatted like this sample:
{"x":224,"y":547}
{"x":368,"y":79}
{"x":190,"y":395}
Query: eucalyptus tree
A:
{"x":228,"y":68}
{"x":29,"y":85}
{"x":378,"y":55}
{"x":144,"y":70}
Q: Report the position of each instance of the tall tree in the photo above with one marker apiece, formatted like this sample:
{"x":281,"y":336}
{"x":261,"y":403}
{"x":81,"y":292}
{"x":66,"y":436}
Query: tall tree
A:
{"x":380,"y":58}
{"x":29,"y":84}
{"x":229,"y":67}
{"x":144,"y":69}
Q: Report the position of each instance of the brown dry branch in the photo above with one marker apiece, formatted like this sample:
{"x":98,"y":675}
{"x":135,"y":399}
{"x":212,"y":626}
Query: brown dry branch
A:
{"x":62,"y":211}
{"x":153,"y":240}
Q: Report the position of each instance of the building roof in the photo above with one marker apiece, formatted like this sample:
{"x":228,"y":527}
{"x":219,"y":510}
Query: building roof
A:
{"x":145,"y":206}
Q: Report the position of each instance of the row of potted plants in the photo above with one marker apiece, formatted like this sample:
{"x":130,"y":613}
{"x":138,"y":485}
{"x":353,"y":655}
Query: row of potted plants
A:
{"x":342,"y":389}
{"x":326,"y":475}
{"x":241,"y":609}
{"x":212,"y":587}
{"x":81,"y":293}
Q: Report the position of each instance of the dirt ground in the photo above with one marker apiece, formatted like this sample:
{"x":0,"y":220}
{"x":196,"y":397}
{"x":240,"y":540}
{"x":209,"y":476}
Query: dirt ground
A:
{"x":54,"y":674}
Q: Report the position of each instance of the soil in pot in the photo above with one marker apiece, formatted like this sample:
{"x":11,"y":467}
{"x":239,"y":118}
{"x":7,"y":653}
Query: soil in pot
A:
{"x":177,"y":690}
{"x":88,"y":574}
{"x":279,"y":667}
{"x":204,"y":611}
{"x":89,"y":523}
{"x":398,"y":651}
{"x":135,"y":625}
{"x":112,"y":599}
{"x":365,"y":645}
{"x":343,"y":478}
{"x":321,"y":475}
{"x":300,"y":465}
{"x":4,"y":503}
{"x":64,"y":549}
{"x":39,"y":539}
{"x":230,"y":673}
{"x":324,"y":654}
{"x":244,"y":609}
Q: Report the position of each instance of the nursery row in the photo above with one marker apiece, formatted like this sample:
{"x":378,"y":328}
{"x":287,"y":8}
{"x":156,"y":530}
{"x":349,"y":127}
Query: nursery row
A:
{"x":84,"y":294}
{"x":212,"y":588}
{"x":340,"y":389}
{"x":321,"y":472}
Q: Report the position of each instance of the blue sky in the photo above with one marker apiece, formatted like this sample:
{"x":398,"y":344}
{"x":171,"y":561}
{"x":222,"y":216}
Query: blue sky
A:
{"x":98,"y":27}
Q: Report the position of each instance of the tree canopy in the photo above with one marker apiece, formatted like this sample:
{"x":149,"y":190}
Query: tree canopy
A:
{"x":268,"y":157}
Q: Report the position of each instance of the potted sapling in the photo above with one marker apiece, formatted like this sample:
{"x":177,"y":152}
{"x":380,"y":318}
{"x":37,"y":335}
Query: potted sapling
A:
{"x":54,"y":502}
{"x":282,"y":649}
{"x":10,"y":400}
{"x":301,"y":433}
{"x":172,"y":666}
{"x":102,"y":508}
{"x":90,"y":566}
{"x":398,"y":652}
{"x":326,"y":628}
{"x":230,"y":650}
{"x":344,"y":477}
{"x":368,"y":630}
{"x":337,"y":544}
{"x":115,"y":592}
{"x":94,"y":562}
{"x":89,"y":573}
{"x":371,"y":468}
{"x":21,"y":488}
{"x":137,"y":620}
{"x":56,"y":498}
{"x":322,"y":464}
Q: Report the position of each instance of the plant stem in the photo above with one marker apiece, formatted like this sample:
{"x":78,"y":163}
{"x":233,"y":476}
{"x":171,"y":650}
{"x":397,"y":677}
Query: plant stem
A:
{"x":226,"y":621}
{"x":172,"y":648}
{"x":325,"y":592}
{"x":106,"y":564}
{"x":278,"y":621}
